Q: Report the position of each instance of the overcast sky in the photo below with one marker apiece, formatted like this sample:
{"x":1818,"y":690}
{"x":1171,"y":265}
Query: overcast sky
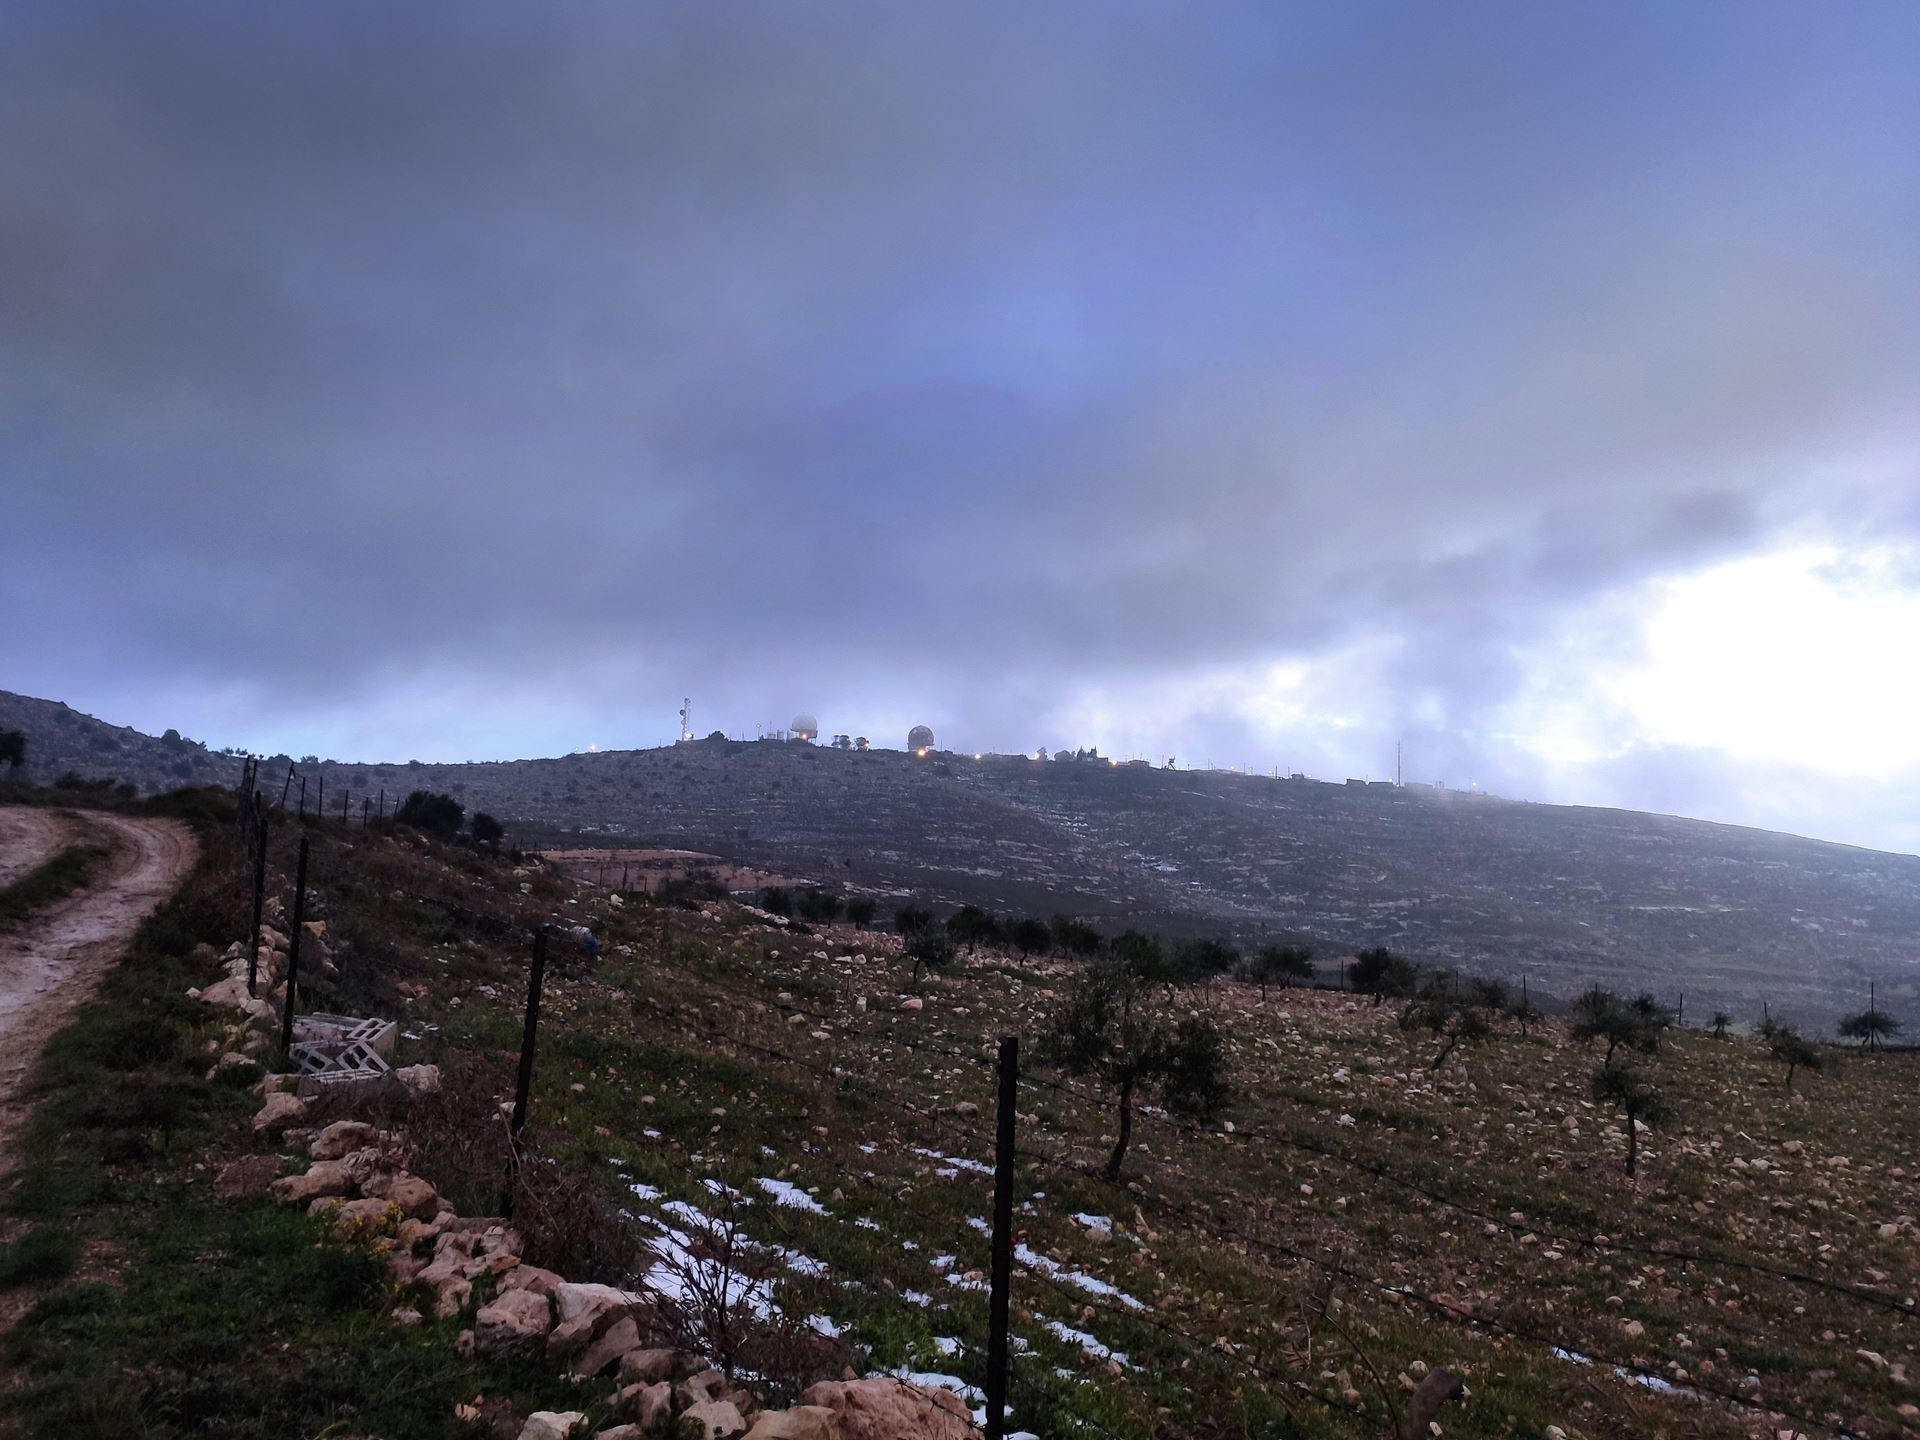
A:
{"x":1537,"y":385}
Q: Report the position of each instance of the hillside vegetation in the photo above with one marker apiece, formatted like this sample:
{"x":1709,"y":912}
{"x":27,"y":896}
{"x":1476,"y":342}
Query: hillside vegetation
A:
{"x":1566,"y":896}
{"x":1354,"y":1216}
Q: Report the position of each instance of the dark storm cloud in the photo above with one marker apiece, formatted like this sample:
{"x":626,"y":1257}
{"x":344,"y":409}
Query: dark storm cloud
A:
{"x":893,"y":360}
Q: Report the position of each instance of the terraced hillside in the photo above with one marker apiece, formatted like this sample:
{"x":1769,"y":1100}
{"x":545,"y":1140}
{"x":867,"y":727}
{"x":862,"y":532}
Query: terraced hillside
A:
{"x":1730,"y":917}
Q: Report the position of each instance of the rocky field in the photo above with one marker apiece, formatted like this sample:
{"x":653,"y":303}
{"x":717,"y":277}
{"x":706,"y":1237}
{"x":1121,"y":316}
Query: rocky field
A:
{"x":808,"y":1113}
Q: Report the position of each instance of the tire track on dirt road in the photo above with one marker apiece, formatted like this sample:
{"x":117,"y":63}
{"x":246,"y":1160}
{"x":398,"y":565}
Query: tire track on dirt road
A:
{"x":51,"y":961}
{"x":30,"y":837}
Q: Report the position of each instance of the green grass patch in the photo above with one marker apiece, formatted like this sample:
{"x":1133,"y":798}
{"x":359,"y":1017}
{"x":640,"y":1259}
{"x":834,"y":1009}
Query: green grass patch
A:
{"x":44,"y":1253}
{"x":50,"y":882}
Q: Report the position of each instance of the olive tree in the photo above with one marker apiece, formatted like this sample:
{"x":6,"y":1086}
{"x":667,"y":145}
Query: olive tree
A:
{"x":1028,"y":936}
{"x":930,"y":947}
{"x":1382,"y":974}
{"x":1456,"y":1021}
{"x":1280,"y":964}
{"x":973,"y":927}
{"x":1109,"y":1027}
{"x":1791,"y":1049}
{"x":1870,"y":1027}
{"x":433,"y":813}
{"x":910,"y":918}
{"x":1623,"y":1088}
{"x":1599,"y":1014}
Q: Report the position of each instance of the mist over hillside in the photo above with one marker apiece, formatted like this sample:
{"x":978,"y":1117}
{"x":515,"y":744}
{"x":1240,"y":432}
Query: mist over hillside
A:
{"x":1731,"y":917}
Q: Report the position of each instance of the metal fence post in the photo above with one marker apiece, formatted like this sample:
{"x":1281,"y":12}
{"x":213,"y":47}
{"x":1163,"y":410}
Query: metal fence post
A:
{"x":293,"y":946}
{"x":998,"y":1346}
{"x":259,"y":891}
{"x":523,"y":1085}
{"x":303,"y":797}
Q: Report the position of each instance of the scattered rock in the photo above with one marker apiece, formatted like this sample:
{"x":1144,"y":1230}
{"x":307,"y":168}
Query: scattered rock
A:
{"x":648,"y":1404}
{"x":551,"y":1424}
{"x":882,"y":1409}
{"x":803,"y":1422}
{"x":531,"y":1277}
{"x":451,"y":1298}
{"x":618,"y":1338}
{"x":323,"y":1178}
{"x":514,"y":1323}
{"x":408,"y":1194}
{"x":717,"y":1418}
{"x":342,"y":1137}
{"x":280,"y":1111}
{"x":249,"y":1175}
{"x":647,"y":1366}
{"x":707,"y":1385}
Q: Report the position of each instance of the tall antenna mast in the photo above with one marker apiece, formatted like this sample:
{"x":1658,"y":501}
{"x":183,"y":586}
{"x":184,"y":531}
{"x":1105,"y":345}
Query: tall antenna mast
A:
{"x":686,"y":719}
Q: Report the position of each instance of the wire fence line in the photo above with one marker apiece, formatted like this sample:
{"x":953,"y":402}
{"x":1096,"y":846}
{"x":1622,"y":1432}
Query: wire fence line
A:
{"x":1279,"y":1382}
{"x":1249,"y":1137}
{"x":1559,"y":1343}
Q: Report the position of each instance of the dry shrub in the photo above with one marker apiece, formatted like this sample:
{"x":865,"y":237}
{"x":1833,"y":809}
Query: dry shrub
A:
{"x":571,"y":1225}
{"x":727,"y":1308}
{"x":455,"y":1138}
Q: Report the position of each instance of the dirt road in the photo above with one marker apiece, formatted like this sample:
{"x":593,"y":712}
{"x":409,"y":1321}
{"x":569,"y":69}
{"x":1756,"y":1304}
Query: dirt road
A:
{"x":30,"y":837}
{"x":50,"y":962}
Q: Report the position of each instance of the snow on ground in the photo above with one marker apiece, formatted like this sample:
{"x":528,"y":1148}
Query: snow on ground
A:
{"x":1651,"y":1382}
{"x":1089,"y":1343}
{"x":956,"y":1162}
{"x":1079,"y":1279}
{"x":933,"y":1380}
{"x":785,"y":1192}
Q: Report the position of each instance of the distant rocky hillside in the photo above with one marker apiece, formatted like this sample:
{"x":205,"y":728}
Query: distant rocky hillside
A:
{"x":61,"y":740}
{"x":1566,"y":895}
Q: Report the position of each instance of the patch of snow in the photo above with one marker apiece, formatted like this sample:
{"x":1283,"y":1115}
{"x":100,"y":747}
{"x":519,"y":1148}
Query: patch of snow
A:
{"x":1089,"y":1343}
{"x":972,"y":1394}
{"x":785,"y":1192}
{"x":957,"y":1162}
{"x":1079,"y":1279}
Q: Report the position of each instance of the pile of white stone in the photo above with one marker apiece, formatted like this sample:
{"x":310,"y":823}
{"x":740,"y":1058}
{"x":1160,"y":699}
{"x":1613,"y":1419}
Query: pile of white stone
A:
{"x":359,"y":1181}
